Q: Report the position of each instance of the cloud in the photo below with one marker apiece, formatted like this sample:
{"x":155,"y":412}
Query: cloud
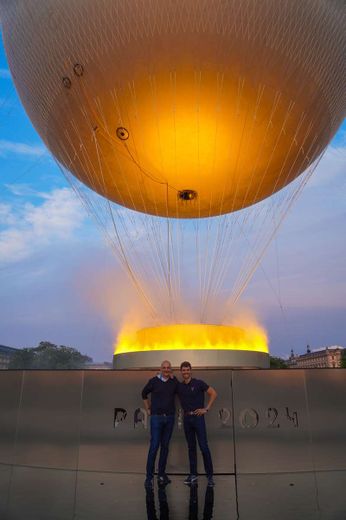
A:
{"x":5,"y":74}
{"x":332,"y":166}
{"x":24,"y":190}
{"x":31,"y":150}
{"x":6,"y":216}
{"x":34,"y":227}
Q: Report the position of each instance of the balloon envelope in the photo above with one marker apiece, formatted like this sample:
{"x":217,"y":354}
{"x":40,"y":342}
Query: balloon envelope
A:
{"x":181,"y":109}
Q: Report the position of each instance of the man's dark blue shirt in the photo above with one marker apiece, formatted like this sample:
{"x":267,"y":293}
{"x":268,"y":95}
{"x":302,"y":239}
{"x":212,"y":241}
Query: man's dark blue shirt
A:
{"x":191,"y":395}
{"x":162,"y":395}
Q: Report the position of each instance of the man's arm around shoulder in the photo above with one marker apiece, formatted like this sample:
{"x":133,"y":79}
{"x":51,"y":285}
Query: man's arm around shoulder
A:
{"x":145,"y":392}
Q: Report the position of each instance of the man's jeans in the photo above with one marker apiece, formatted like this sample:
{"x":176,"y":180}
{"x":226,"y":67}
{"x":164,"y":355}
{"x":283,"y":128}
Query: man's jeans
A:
{"x":161,"y":428}
{"x":194,"y":426}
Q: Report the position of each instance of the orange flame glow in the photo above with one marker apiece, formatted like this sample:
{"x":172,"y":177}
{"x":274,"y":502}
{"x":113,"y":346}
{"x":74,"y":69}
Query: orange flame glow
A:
{"x":192,"y":336}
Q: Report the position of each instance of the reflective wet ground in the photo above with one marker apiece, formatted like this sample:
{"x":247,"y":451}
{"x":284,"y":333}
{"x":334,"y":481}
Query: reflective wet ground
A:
{"x":28,"y":493}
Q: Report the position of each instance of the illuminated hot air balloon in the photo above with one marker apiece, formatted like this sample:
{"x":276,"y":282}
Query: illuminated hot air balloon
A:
{"x":183,"y":111}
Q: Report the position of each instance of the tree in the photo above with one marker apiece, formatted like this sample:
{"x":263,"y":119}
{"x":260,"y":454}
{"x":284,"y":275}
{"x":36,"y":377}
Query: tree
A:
{"x":276,"y":362}
{"x":343,"y":359}
{"x":49,"y":356}
{"x":23,"y":358}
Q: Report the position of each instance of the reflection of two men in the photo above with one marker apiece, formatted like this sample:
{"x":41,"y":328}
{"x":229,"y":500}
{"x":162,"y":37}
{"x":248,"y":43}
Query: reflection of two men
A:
{"x":193,"y":503}
{"x":163,"y":504}
{"x":208,"y":503}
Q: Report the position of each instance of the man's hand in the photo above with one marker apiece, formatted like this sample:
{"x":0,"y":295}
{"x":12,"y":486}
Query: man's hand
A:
{"x":147,"y":406}
{"x":200,"y":411}
{"x":212,"y":396}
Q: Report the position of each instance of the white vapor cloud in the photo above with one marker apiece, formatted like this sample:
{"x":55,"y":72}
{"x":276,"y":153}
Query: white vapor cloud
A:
{"x":34,"y":227}
{"x":10,"y":147}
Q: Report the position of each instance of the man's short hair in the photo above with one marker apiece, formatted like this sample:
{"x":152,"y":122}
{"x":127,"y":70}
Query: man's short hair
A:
{"x":185,"y":364}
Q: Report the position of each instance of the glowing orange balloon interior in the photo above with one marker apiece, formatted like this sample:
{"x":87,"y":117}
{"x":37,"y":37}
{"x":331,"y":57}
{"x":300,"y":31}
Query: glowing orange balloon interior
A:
{"x":231,"y":140}
{"x":193,"y":336}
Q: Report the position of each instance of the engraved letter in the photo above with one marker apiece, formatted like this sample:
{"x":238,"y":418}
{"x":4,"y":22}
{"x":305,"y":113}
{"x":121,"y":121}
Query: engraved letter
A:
{"x":224,"y":416}
{"x":293,"y":417}
{"x":248,"y":418}
{"x":140,"y":418}
{"x":119,"y":416}
{"x":272,"y":415}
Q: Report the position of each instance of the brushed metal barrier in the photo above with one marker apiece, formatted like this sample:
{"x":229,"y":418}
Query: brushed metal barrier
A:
{"x":271,"y":421}
{"x":290,"y":440}
{"x":48,"y":419}
{"x":65,"y":435}
{"x":10,"y":394}
{"x":326,"y":399}
{"x":272,"y":445}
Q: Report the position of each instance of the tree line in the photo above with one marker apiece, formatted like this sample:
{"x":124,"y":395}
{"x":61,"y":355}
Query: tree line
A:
{"x":49,"y":356}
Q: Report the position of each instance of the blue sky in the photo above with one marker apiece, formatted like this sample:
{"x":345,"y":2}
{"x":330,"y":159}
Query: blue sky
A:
{"x":58,"y":279}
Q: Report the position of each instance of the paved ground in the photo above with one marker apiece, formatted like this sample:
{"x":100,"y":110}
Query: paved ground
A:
{"x":47,"y":494}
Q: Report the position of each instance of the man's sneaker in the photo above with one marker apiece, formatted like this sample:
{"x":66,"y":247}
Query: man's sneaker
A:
{"x":163,"y":480}
{"x":190,"y":479}
{"x":148,"y":483}
{"x":211,"y":482}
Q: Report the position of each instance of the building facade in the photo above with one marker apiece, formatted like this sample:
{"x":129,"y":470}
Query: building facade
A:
{"x":5,"y":356}
{"x":326,"y":357}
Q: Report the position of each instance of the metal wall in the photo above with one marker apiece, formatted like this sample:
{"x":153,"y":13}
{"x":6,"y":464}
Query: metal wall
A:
{"x":279,"y":433}
{"x":201,"y":358}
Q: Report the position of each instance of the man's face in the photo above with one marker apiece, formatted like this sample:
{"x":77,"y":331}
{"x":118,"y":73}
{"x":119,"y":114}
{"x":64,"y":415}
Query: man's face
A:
{"x":166,"y":369}
{"x":186,"y":373}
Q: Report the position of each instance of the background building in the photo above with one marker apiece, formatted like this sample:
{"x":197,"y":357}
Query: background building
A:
{"x":5,"y":356}
{"x":326,"y":357}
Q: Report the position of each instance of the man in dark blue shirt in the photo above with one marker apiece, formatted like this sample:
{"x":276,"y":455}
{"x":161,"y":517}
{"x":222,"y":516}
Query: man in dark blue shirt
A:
{"x":191,"y":394}
{"x":161,"y":409}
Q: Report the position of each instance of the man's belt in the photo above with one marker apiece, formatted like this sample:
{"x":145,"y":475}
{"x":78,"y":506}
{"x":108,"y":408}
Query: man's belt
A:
{"x":189,"y":413}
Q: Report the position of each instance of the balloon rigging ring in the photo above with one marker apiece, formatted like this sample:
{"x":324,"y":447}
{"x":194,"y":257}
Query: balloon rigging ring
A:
{"x":122,"y":133}
{"x":78,"y":69}
{"x":66,"y":82}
